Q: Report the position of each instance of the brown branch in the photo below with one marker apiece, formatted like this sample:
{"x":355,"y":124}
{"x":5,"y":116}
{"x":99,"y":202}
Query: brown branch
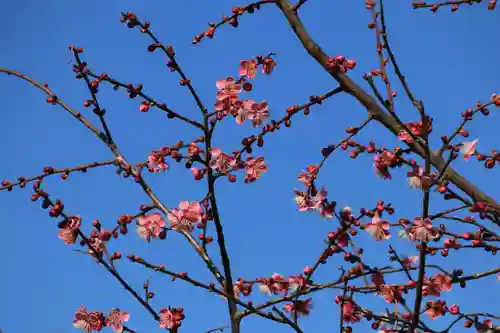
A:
{"x":51,"y":171}
{"x":370,"y":104}
{"x":153,"y":102}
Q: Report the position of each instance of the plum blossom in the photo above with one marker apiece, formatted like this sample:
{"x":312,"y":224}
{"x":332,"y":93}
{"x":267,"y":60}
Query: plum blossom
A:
{"x":306,"y":177}
{"x":150,"y":226}
{"x":221,"y":162}
{"x":454,"y":309}
{"x":423,"y":230}
{"x":156,"y":161}
{"x":416,"y":128}
{"x":274,"y":285}
{"x":307,"y":202}
{"x":350,"y":312}
{"x":248,"y":68}
{"x":98,"y":246}
{"x":436,"y":284}
{"x":228,"y":89}
{"x":167,"y":319}
{"x":417,"y":179}
{"x":299,"y":307}
{"x":384,"y":161}
{"x":486,"y":327}
{"x":115,"y":319}
{"x":391,"y":293}
{"x":435,"y":309}
{"x":241,"y":287}
{"x":88,"y":321}
{"x":254,"y":168}
{"x":193,"y":149}
{"x":69,"y":229}
{"x":468,"y":148}
{"x":409,"y":261}
{"x":256,"y":112}
{"x":297,"y":284}
{"x":198,"y":173}
{"x":378,"y":228}
{"x":182,"y":219}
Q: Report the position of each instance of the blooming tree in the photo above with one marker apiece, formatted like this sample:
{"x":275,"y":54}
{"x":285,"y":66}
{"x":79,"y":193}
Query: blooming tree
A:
{"x":416,"y":289}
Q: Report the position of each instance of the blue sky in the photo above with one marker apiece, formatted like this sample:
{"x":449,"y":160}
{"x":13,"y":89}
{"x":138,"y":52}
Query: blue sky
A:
{"x":450,"y":60}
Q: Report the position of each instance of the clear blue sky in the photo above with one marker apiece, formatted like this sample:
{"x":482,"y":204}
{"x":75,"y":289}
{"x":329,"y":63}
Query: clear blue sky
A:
{"x":450,"y":60}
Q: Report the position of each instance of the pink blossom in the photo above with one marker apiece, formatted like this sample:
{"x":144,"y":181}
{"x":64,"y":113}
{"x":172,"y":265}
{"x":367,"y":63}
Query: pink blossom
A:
{"x":182,"y":219}
{"x":299,"y":307}
{"x":416,"y":128}
{"x":436,"y":284}
{"x":150,"y":226}
{"x":157,"y":162}
{"x":405,"y":136}
{"x":307,"y":176}
{"x":193,"y":149}
{"x":297,"y":284}
{"x":167,"y":319}
{"x":469,"y":148}
{"x":248,"y":68}
{"x":350,"y":312}
{"x":98,"y":246}
{"x":326,"y":211}
{"x":454,"y":309}
{"x":88,"y":321}
{"x":383,"y":162}
{"x":307,"y":202}
{"x":198,"y":173}
{"x":221,"y":162}
{"x":423,"y":230}
{"x":69,"y":229}
{"x":228,"y":89}
{"x":409,"y":261}
{"x":451,"y":243}
{"x":115,"y":319}
{"x":378,"y":228}
{"x":274,"y":285}
{"x":435,"y":309}
{"x":257,"y":112}
{"x":391,"y":293}
{"x":254,"y":168}
{"x":417,"y":179}
{"x":484,"y":327}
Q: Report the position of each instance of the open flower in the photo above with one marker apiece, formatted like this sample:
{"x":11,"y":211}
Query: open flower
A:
{"x":469,"y":148}
{"x":182,"y":219}
{"x":150,"y":226}
{"x":69,"y":229}
{"x":435,"y":309}
{"x":167,"y":319}
{"x":156,"y":162}
{"x":378,"y":228}
{"x":248,"y":68}
{"x":417,"y":179}
{"x":254,"y":168}
{"x":256,"y":112}
{"x":221,"y":162}
{"x":88,"y":321}
{"x":299,"y":307}
{"x":350,"y":312}
{"x":423,"y":230}
{"x":115,"y":319}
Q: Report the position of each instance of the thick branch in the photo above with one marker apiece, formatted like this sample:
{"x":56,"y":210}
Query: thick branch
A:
{"x":371,"y":105}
